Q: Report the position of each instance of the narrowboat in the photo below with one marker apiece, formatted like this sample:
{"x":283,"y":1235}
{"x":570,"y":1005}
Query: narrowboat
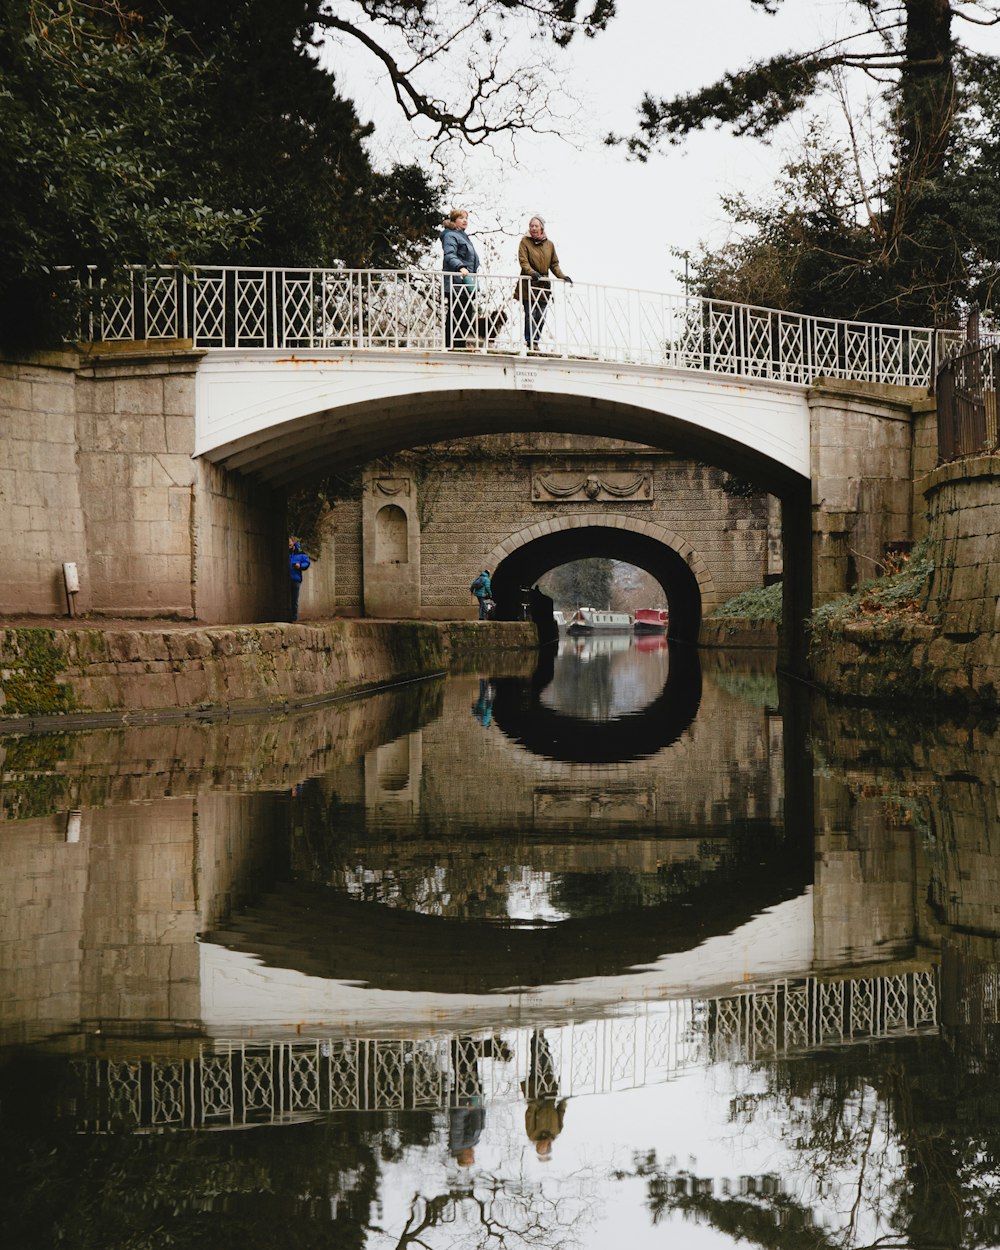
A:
{"x":598,"y":621}
{"x":651,"y":621}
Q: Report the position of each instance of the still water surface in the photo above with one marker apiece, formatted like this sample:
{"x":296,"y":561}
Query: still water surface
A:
{"x":622,"y":948}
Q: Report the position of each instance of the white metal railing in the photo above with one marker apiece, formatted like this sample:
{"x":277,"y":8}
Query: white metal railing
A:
{"x":294,"y":310}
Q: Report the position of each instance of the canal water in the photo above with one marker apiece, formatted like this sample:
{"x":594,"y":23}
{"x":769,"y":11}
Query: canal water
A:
{"x":626,"y":946}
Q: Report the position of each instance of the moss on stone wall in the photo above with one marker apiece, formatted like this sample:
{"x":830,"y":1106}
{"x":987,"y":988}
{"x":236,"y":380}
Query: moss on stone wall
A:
{"x":31,"y":664}
{"x":33,"y":785}
{"x":872,"y":664}
{"x":885,"y":644}
{"x":49,"y":672}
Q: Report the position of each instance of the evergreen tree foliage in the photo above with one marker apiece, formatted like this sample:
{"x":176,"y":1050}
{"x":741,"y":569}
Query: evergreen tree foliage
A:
{"x":274,"y":133}
{"x":911,"y":239}
{"x":94,"y":114}
{"x":582,"y":583}
{"x":174,"y":131}
{"x":818,"y":243}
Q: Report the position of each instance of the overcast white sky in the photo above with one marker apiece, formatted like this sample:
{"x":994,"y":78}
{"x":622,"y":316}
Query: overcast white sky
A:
{"x":614,"y":221}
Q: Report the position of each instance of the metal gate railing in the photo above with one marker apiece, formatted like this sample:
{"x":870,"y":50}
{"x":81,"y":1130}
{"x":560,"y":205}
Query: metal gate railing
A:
{"x":967,"y":402}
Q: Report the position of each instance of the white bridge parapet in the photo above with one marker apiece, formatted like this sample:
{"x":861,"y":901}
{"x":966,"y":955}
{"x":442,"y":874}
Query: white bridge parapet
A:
{"x":252,"y":408}
{"x":295,"y":310}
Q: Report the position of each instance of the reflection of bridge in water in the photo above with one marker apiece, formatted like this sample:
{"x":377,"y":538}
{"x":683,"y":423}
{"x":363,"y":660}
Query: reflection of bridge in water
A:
{"x":237,"y":1083}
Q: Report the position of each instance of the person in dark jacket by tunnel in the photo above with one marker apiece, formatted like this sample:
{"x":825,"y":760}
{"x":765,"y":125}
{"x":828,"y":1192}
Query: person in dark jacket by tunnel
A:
{"x":483,"y":590}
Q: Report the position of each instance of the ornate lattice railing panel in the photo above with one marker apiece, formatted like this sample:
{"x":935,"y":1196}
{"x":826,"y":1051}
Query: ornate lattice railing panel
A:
{"x":171,"y":1094}
{"x":344,"y":1087}
{"x":216,"y":1089}
{"x":301,"y":308}
{"x":210,"y":322}
{"x":406,"y":310}
{"x":252,"y":305}
{"x":116,"y":318}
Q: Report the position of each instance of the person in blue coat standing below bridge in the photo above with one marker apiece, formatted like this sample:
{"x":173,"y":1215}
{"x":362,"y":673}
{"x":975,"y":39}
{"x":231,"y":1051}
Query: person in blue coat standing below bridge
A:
{"x":483,"y":591}
{"x":298,"y":562}
{"x":461,"y":263}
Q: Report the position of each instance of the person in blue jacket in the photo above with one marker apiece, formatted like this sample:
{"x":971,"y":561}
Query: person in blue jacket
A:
{"x":298,"y":562}
{"x":483,"y":590}
{"x":461,"y":263}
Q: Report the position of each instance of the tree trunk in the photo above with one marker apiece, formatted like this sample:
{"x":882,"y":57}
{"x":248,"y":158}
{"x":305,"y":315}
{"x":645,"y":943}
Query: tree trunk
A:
{"x":927,"y":90}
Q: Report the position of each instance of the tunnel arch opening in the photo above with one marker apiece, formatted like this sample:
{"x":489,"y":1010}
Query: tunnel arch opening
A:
{"x":534,"y":551}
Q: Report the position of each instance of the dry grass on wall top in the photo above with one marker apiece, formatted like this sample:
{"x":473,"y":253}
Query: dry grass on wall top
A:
{"x":894,"y":601}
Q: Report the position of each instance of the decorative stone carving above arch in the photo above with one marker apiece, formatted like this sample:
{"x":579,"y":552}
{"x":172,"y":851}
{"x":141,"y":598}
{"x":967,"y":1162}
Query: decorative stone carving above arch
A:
{"x":576,"y":486}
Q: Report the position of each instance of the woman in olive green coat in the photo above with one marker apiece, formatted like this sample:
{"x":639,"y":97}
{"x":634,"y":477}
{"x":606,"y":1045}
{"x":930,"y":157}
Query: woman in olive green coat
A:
{"x":536,"y":256}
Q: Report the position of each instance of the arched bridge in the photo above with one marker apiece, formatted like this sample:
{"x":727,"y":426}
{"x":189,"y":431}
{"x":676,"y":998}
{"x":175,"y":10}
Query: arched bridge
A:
{"x":213,"y":392}
{"x":313,"y":367}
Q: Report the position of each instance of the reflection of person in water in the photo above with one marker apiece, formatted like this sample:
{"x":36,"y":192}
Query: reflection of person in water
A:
{"x":482,"y":709}
{"x":466,"y":1113}
{"x":545,"y":1112}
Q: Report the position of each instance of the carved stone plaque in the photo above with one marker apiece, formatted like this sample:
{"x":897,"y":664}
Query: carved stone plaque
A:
{"x":581,"y":486}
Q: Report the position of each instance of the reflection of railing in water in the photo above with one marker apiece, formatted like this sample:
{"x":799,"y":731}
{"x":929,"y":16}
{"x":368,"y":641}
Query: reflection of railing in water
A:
{"x":235,"y":1083}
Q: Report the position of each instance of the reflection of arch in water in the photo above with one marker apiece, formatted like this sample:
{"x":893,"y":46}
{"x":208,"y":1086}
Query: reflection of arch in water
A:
{"x":522,"y":717}
{"x":320,"y":932}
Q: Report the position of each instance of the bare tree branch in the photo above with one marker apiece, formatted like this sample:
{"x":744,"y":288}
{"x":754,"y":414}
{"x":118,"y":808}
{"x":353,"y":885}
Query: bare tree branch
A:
{"x":417,"y":39}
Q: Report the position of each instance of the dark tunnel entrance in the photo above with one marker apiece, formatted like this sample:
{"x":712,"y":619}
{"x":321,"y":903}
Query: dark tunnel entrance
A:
{"x":523,"y":568}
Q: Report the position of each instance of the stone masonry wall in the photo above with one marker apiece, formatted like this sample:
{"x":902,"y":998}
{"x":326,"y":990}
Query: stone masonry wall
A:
{"x":862,"y":459}
{"x":240,"y":549}
{"x":58,"y":672}
{"x":136,"y":475}
{"x":952,"y":653}
{"x":925,"y":446}
{"x":42,"y":518}
{"x":97,"y":469}
{"x":476,"y":495}
{"x":963,"y":499}
{"x":470,"y":508}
